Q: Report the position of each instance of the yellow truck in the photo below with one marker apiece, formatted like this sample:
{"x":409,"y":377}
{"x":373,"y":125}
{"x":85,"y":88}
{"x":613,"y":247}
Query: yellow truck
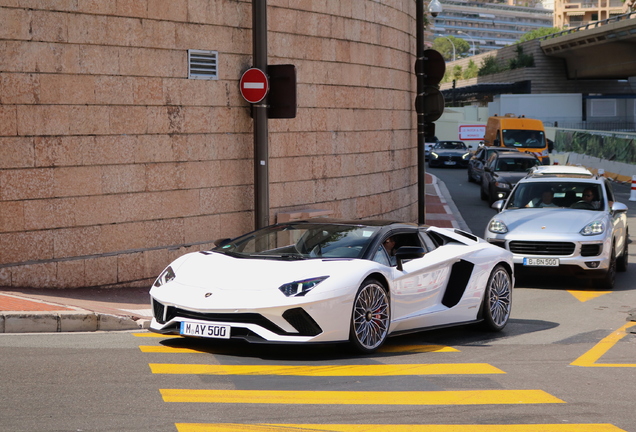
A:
{"x":521,"y":133}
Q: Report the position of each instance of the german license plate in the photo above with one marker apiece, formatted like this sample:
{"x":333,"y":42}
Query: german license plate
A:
{"x":450,"y":163}
{"x":541,"y":262}
{"x":205,"y":330}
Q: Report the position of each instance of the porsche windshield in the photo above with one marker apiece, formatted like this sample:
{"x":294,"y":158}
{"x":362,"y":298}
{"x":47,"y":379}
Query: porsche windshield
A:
{"x":302,"y":241}
{"x":564,"y":194}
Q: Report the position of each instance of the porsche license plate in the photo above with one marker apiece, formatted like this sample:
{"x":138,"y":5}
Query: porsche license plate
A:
{"x":205,"y":330}
{"x":541,"y":262}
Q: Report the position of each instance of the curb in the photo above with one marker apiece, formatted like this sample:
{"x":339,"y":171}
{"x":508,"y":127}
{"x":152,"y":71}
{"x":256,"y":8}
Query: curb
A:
{"x":66,"y":321}
{"x":449,"y":204}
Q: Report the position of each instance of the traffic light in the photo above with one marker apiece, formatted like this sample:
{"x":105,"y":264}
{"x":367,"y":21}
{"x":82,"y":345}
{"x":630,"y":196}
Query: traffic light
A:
{"x":282,"y":94}
{"x":430,"y":102}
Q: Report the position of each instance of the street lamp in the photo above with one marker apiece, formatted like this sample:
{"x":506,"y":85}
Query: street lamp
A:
{"x":471,"y":39}
{"x":451,"y":41}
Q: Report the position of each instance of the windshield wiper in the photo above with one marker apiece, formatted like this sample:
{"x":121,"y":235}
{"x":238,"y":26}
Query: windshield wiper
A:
{"x":290,"y":257}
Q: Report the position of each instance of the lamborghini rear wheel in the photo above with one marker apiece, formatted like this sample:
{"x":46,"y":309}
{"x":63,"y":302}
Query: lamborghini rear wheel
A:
{"x":497,"y":302}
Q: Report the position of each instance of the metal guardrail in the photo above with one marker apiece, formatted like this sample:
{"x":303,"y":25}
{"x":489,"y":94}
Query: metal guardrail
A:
{"x":620,"y":126}
{"x":594,"y":24}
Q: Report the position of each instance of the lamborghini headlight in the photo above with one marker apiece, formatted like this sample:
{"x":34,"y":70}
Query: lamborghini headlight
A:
{"x":166,"y":276}
{"x":300,"y":288}
{"x":594,"y":228}
{"x":498,"y":227}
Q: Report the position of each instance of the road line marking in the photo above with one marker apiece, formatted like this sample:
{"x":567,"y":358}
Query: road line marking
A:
{"x":155,"y":335}
{"x":212,"y":348}
{"x":264,"y":427}
{"x":325,"y":371}
{"x":416,"y":348}
{"x":170,"y":350}
{"x":464,"y":397}
{"x":584,"y":296}
{"x":590,"y":358}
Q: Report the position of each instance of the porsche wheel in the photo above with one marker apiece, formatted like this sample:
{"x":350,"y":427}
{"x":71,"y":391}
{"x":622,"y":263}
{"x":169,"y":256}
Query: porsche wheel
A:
{"x":497,"y":299}
{"x":370,"y":318}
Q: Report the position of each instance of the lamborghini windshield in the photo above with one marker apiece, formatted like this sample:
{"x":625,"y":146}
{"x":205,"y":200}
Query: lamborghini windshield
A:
{"x":302,"y":241}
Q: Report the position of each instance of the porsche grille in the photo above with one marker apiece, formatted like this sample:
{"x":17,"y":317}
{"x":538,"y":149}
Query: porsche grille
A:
{"x":542,"y":248}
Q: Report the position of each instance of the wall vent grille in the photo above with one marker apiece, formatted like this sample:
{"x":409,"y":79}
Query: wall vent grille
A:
{"x":203,"y":64}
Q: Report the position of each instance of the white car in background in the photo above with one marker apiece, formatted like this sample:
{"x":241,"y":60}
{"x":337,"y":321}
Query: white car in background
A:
{"x":334,"y":281}
{"x":583,"y":230}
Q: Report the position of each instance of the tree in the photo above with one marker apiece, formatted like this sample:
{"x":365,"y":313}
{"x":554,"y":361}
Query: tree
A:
{"x":471,"y":70}
{"x":445,"y":48}
{"x":489,"y":65}
{"x":543,"y":31}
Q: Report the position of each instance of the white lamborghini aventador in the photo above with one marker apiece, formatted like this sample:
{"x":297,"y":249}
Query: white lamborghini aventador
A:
{"x":334,"y":281}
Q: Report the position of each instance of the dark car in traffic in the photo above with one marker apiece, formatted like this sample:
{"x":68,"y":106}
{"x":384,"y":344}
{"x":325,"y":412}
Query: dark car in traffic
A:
{"x":449,"y":153}
{"x":502,"y":172}
{"x":478,"y":161}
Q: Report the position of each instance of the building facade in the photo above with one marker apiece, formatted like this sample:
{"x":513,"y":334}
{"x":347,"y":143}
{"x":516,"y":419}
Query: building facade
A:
{"x":575,"y":13}
{"x":490,"y":26}
{"x":114,"y":160}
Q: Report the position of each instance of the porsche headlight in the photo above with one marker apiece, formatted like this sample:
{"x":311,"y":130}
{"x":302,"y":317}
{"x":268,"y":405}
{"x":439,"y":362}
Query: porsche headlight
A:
{"x":594,"y":228}
{"x":498,"y":227}
{"x":166,"y":276}
{"x":300,"y":288}
{"x":433,"y":154}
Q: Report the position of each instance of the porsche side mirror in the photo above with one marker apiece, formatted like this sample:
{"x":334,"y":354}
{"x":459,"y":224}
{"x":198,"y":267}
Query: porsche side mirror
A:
{"x":498,"y":205}
{"x":408,"y":253}
{"x":616,"y":208}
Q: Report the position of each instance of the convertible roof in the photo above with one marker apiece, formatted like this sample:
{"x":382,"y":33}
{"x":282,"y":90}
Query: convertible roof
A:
{"x":358,"y":222}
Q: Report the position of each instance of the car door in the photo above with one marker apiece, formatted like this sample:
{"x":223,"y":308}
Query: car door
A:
{"x":487,"y":176}
{"x":419,"y":287}
{"x":618,"y":220}
{"x":477,"y":164}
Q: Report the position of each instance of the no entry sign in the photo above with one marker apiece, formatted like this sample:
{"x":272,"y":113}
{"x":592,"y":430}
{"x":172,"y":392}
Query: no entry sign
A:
{"x":254,"y":85}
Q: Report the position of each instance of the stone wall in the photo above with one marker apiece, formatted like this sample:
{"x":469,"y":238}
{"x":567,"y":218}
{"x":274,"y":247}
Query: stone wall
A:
{"x":113,"y":162}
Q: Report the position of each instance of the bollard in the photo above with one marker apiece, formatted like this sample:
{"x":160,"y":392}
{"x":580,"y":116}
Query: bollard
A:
{"x":632,"y":195}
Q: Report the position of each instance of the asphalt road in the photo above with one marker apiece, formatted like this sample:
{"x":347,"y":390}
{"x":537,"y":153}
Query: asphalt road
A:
{"x":565,"y":363}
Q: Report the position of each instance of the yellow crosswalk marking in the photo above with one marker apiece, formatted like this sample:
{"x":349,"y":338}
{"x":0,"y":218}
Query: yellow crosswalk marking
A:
{"x":590,"y":358}
{"x":416,"y":348}
{"x":167,"y":349}
{"x":235,"y":427}
{"x":385,"y":349}
{"x":464,"y":397}
{"x":323,"y":371}
{"x":155,"y":335}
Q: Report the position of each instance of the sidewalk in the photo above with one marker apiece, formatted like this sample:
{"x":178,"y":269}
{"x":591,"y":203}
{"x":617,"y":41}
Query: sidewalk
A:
{"x":33,"y":310}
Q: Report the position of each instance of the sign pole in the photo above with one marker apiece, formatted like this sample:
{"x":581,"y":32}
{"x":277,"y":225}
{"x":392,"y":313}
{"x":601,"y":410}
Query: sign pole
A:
{"x":421,"y":125}
{"x":259,"y":113}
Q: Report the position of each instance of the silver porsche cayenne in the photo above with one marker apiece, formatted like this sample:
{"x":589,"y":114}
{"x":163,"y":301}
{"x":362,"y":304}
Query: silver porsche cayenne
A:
{"x":563,"y":219}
